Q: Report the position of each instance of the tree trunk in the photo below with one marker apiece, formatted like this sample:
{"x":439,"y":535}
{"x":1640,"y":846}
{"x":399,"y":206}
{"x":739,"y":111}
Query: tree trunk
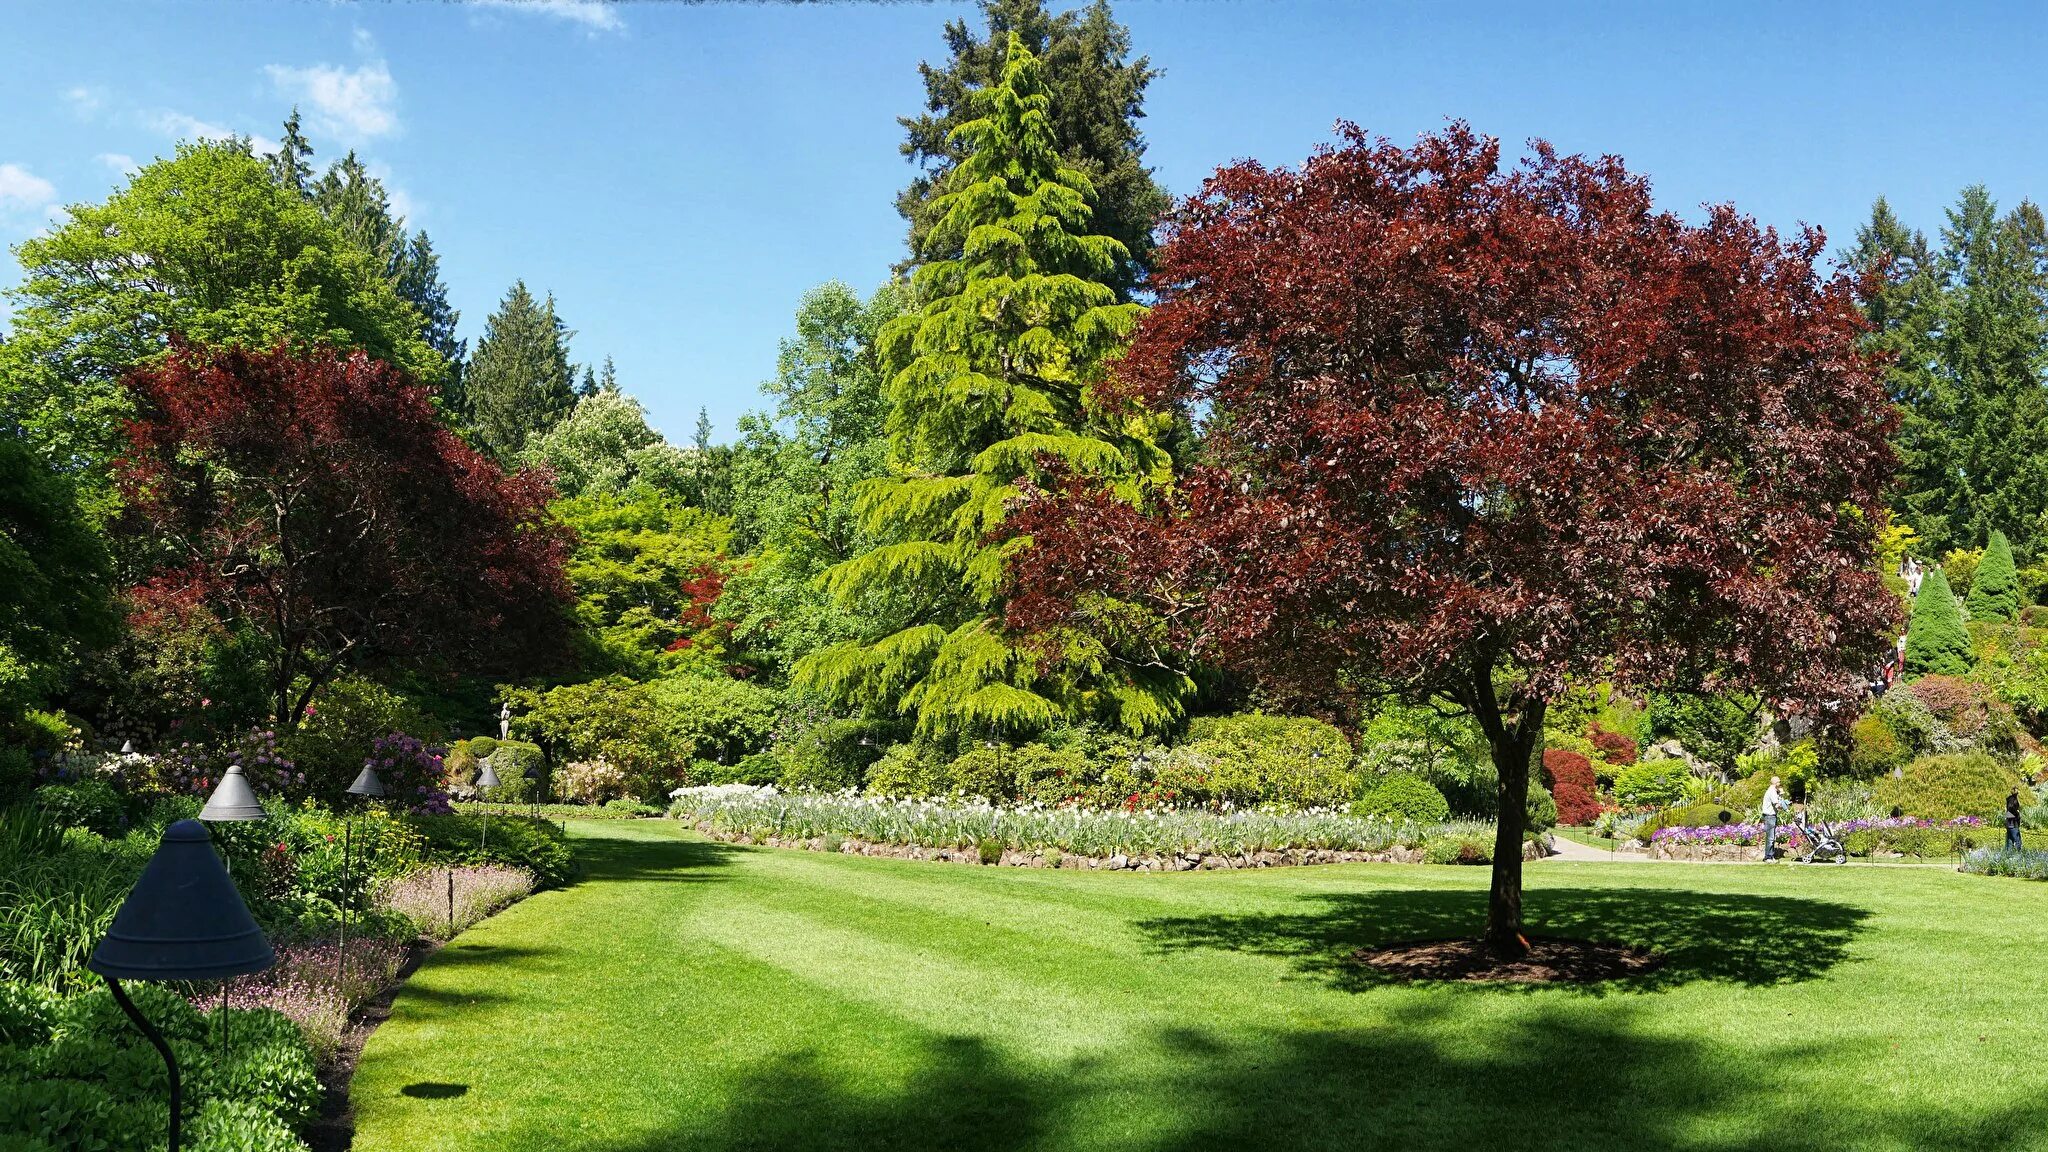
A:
{"x":1504,"y":899}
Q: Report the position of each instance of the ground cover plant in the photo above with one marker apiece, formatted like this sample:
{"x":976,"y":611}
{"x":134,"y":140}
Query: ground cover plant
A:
{"x":818,"y":1001}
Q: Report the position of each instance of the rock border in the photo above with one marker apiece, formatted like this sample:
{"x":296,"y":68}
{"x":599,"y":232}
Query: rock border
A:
{"x":1039,"y":858}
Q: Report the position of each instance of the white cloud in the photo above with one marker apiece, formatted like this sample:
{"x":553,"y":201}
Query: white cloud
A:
{"x":356,"y":103}
{"x":179,"y":126}
{"x":85,"y":101}
{"x":595,"y":15}
{"x":120,"y":163}
{"x":22,"y":189}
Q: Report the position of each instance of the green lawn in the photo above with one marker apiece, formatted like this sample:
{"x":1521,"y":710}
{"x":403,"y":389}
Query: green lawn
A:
{"x":689,"y":995}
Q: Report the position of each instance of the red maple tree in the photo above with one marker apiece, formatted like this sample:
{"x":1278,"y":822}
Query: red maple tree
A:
{"x":318,"y":499}
{"x":1472,"y":432}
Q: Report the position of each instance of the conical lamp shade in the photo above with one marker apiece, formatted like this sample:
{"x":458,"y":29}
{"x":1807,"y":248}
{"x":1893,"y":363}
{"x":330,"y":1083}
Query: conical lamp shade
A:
{"x":486,"y":777}
{"x":233,"y":799}
{"x":367,"y":783}
{"x":183,"y":920}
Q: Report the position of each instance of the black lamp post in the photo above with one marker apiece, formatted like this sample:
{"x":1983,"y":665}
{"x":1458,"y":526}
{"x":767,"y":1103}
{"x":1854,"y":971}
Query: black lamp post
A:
{"x":233,"y":802}
{"x":183,"y":920}
{"x":369,"y":787}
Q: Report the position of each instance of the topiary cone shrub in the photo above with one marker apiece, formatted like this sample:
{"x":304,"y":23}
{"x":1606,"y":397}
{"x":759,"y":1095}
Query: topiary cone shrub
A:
{"x":1995,"y":590}
{"x":1936,"y":640}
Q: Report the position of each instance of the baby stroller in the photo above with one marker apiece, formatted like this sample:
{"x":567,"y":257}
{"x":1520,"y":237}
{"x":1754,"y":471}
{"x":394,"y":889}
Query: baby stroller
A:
{"x":1822,"y":845}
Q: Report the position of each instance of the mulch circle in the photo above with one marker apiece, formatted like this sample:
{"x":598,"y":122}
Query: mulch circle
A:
{"x":1550,"y":960}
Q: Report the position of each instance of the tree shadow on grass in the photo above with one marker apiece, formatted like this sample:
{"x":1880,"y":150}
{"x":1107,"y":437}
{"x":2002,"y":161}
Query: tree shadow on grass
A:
{"x":655,"y":860}
{"x":1749,"y":940}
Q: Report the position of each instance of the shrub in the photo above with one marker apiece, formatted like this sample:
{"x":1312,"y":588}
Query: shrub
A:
{"x":1563,"y":766}
{"x":1969,"y":710}
{"x":481,"y":746}
{"x":348,"y":715}
{"x":616,"y":719}
{"x":1873,"y":749}
{"x":1448,"y":751}
{"x":1653,"y":783}
{"x":1694,"y":816}
{"x":1037,"y":772}
{"x":1614,"y":747}
{"x":1936,"y":641}
{"x":1943,"y":787}
{"x":1575,"y":806}
{"x":589,"y":782}
{"x":522,"y":771}
{"x":1918,"y":730}
{"x":831,"y":755}
{"x":1542,"y":809}
{"x":1458,"y":848}
{"x":913,"y":768}
{"x":1403,"y":795}
{"x":759,"y":769}
{"x":536,"y":846}
{"x":1995,"y":587}
{"x":717,"y":717}
{"x":1253,"y":758}
{"x":89,"y":804}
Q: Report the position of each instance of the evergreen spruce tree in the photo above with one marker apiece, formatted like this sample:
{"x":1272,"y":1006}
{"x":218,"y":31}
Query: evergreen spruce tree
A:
{"x":1936,"y":641}
{"x":520,"y":381}
{"x":418,"y":279}
{"x":987,"y":377}
{"x":1995,"y":589}
{"x":1097,"y":97}
{"x":1904,"y":309}
{"x":290,"y":164}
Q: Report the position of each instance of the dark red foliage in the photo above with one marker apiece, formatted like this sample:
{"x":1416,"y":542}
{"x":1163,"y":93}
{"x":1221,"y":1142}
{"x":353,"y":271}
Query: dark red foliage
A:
{"x":1614,"y":747}
{"x":1564,"y":766}
{"x":318,"y":499}
{"x":1471,"y":432}
{"x":1575,"y":805}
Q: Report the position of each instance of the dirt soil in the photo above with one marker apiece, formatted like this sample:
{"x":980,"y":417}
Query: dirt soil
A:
{"x":1550,"y":960}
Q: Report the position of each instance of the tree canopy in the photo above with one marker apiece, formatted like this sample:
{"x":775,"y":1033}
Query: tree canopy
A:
{"x":55,"y":602}
{"x":1504,"y":428}
{"x":520,"y":381}
{"x":604,"y":447}
{"x":318,"y":499}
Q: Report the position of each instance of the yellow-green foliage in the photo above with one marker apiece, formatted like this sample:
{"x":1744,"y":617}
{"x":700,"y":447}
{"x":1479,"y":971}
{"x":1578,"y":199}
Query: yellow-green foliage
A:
{"x":1944,"y":787}
{"x":1251,"y":758}
{"x":988,"y":377}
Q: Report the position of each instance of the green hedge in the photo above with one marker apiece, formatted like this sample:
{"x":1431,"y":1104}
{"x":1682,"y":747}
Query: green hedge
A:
{"x":1403,"y":794}
{"x":1944,"y":787}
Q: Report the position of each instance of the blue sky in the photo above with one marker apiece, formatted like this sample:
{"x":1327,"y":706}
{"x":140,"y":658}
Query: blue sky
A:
{"x":679,"y":174}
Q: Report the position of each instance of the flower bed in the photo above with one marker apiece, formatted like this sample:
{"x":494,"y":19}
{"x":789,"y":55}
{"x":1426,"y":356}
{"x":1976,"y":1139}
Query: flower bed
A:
{"x":1147,"y":840}
{"x":424,"y":898}
{"x":1890,"y":835}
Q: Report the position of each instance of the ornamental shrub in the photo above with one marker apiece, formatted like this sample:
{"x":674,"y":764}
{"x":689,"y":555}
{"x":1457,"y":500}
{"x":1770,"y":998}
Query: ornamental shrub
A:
{"x":1970,"y":711}
{"x":1936,"y":641}
{"x":1944,"y":787}
{"x":1653,"y":782}
{"x":1542,"y":809}
{"x":1253,"y":758}
{"x":912,"y":768}
{"x":1615,"y":748}
{"x":1576,"y":806}
{"x":1035,"y":772}
{"x":830,"y":755}
{"x":589,"y":782}
{"x":1458,"y":848}
{"x":347,"y":716}
{"x":522,"y":769}
{"x":1873,"y":749}
{"x":89,"y":804}
{"x":1405,"y":795}
{"x":1918,"y":730}
{"x":1563,"y":766}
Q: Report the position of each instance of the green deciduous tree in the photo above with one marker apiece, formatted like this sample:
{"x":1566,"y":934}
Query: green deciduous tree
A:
{"x":647,"y":571}
{"x":796,"y":472}
{"x":604,"y":447}
{"x":1995,"y":588}
{"x":1936,"y":641}
{"x":54,"y":599}
{"x":1097,"y":97}
{"x":206,"y":245}
{"x":520,"y":381}
{"x":989,"y":381}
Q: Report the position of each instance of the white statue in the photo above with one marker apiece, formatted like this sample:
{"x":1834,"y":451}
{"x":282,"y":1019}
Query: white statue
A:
{"x":505,"y":722}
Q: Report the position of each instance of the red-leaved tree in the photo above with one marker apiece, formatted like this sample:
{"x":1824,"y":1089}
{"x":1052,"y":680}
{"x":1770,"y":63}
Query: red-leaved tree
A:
{"x":1470,"y":433}
{"x":317,"y":499}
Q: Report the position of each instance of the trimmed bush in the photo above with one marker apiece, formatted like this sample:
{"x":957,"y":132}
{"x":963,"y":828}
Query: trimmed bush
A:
{"x":1254,"y":758}
{"x":1873,"y":749}
{"x":1653,"y":782}
{"x":1936,"y":641}
{"x":1403,"y":794}
{"x":1995,"y":587}
{"x":512,"y":760}
{"x":1944,"y":787}
{"x":1576,"y":807}
{"x":1563,"y":766}
{"x":1615,"y":748}
{"x":1918,"y":730}
{"x":589,"y":782}
{"x":1542,"y":809}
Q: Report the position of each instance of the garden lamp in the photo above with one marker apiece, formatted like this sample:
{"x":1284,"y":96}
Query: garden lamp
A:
{"x":486,"y":777}
{"x":233,"y":801}
{"x":183,"y":920}
{"x":370,"y":787}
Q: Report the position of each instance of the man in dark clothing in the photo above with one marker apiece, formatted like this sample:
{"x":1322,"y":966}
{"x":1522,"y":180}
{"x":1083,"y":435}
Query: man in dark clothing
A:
{"x":2012,"y":821}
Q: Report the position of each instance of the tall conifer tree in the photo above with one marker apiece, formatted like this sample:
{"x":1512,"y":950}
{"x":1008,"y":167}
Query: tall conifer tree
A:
{"x":520,"y":381}
{"x":1098,"y":97}
{"x":988,"y":378}
{"x":1936,"y":641}
{"x":1995,"y":589}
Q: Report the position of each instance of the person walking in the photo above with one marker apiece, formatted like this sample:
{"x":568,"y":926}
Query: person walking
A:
{"x":2012,"y":821}
{"x":1774,"y":803}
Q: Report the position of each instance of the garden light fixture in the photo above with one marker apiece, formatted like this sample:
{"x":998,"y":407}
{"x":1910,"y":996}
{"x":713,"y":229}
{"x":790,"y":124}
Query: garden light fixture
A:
{"x":233,"y":800}
{"x":486,"y":777}
{"x":370,"y":787}
{"x":183,"y":920}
